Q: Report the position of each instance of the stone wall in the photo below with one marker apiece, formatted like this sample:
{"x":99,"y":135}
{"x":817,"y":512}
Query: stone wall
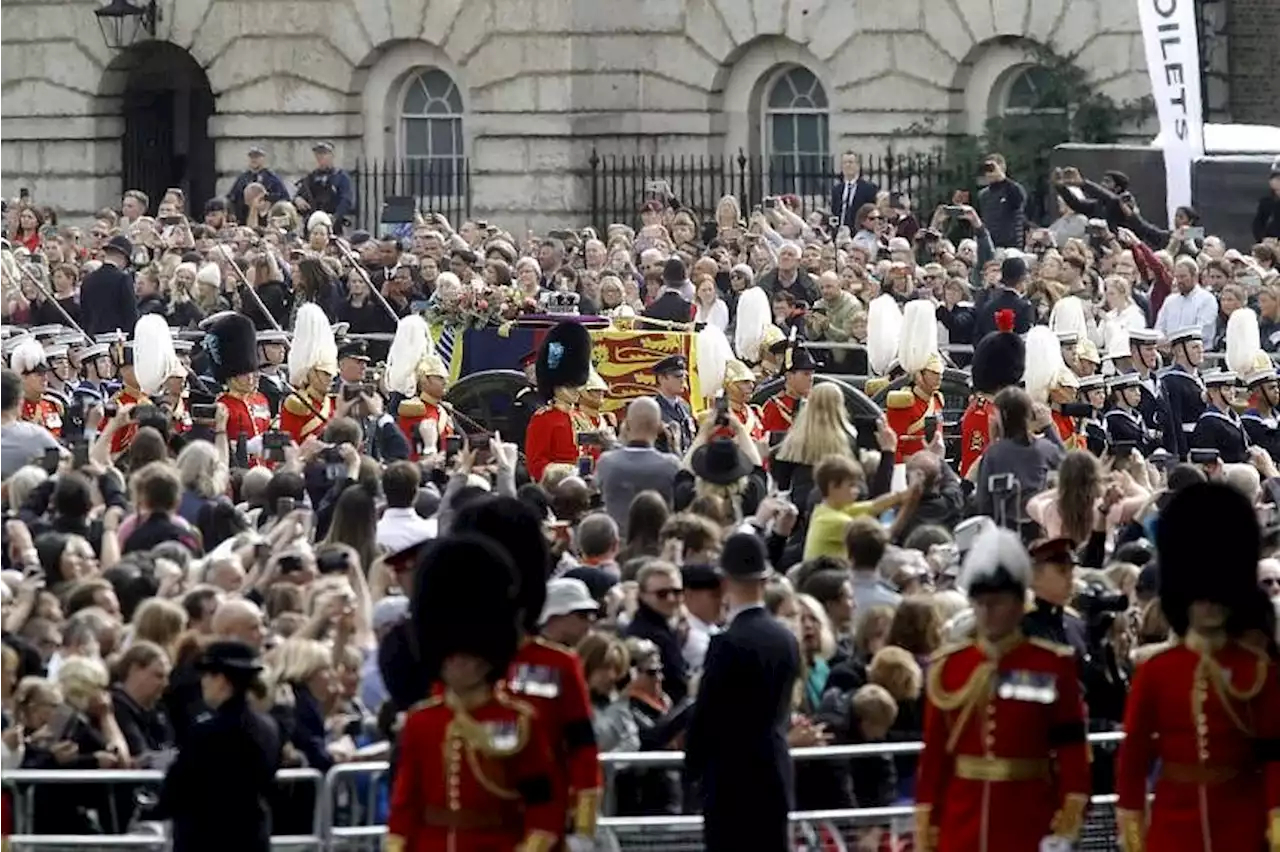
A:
{"x":1253,"y":60}
{"x":543,"y":81}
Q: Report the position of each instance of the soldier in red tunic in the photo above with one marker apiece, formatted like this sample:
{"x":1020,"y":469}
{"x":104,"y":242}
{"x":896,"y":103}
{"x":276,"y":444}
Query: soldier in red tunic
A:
{"x":739,"y":383}
{"x":998,"y":360}
{"x":123,"y":356}
{"x":1005,"y":762}
{"x":779,"y":411}
{"x":1206,"y":708}
{"x":423,"y":418}
{"x":547,"y":676}
{"x":564,"y":364}
{"x":231,"y":342}
{"x":907,"y":408}
{"x":28,"y":361}
{"x":313,"y":362}
{"x":593,"y":417}
{"x":475,"y":768}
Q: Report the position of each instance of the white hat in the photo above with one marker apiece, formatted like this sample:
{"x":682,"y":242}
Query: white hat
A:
{"x":313,"y":345}
{"x":188,"y":266}
{"x":153,"y":354}
{"x":565,"y":596}
{"x":319,"y":218}
{"x":410,"y":347}
{"x":884,"y":330}
{"x":899,"y":244}
{"x":210,"y":274}
{"x":27,"y":356}
{"x":389,"y":611}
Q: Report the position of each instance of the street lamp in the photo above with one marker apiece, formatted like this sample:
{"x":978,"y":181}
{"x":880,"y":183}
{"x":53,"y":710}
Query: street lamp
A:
{"x":121,"y":21}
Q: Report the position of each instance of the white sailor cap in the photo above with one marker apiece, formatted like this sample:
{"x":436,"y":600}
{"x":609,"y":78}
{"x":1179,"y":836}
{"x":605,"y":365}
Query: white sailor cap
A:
{"x":97,"y":350}
{"x":1146,"y":336}
{"x":1219,"y":378}
{"x":1185,"y":335}
{"x":1124,"y":380}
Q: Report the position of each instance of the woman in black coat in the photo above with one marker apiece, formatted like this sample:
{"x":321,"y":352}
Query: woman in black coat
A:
{"x":216,"y":790}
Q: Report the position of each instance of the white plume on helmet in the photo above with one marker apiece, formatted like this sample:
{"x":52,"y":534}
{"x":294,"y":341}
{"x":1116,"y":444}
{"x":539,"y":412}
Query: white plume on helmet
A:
{"x":918,"y":339}
{"x":313,"y":344}
{"x":1068,"y":316}
{"x":1044,"y":362}
{"x":993,"y":549}
{"x":411,"y":345}
{"x":153,"y":353}
{"x":1244,"y":341}
{"x":26,"y":356}
{"x":884,"y":328}
{"x":754,"y":318}
{"x":714,"y":354}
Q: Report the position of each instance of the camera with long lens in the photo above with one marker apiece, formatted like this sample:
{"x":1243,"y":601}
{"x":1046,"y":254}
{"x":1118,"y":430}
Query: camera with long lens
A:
{"x":1106,"y":681}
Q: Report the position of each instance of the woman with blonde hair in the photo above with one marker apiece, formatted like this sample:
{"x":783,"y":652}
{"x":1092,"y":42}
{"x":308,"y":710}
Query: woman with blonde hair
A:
{"x":817,"y":647}
{"x":897,"y":671}
{"x":306,"y":667}
{"x":728,"y":219}
{"x":285,"y":216}
{"x":1122,"y":312}
{"x":821,"y":429}
{"x":529,"y":277}
{"x":613,"y":298}
{"x":159,"y":621}
{"x":917,"y":627}
{"x":203,"y":476}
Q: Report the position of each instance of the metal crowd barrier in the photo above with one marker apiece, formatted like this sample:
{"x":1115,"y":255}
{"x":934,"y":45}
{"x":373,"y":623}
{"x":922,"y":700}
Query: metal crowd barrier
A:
{"x":337,"y":801}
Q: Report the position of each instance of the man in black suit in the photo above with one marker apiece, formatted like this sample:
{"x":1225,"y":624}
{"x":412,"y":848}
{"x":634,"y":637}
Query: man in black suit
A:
{"x":1008,"y":297}
{"x":107,"y":300}
{"x":736,"y":748}
{"x":673,"y":303}
{"x":851,"y":191}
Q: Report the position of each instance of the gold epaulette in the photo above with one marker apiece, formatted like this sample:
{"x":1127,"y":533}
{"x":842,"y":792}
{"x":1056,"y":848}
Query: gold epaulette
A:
{"x":900,"y":399}
{"x":947,"y":650}
{"x":547,"y":643}
{"x":412,"y":407}
{"x":1056,"y":647}
{"x":293,"y":405}
{"x":506,"y":699}
{"x":433,"y":701}
{"x":874,"y":386}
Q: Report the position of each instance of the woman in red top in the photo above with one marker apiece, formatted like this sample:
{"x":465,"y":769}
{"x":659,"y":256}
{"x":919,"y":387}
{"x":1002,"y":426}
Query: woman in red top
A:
{"x":27,"y":232}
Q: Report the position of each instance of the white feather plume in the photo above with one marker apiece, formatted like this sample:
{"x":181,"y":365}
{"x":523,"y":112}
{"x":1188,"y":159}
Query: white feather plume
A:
{"x":26,"y":355}
{"x":411,"y":344}
{"x":313,"y":344}
{"x":714,"y":353}
{"x":153,"y":353}
{"x":754,"y":318}
{"x":995,"y":548}
{"x":918,"y":339}
{"x":884,"y":328}
{"x":1069,"y":315}
{"x":1243,"y":341}
{"x":1044,"y":361}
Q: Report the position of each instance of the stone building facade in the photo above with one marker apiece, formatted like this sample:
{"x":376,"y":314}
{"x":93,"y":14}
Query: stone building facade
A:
{"x":524,"y":89}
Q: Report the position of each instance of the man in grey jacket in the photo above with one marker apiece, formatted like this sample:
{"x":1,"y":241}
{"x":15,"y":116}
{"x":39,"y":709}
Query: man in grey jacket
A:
{"x":636,"y":466}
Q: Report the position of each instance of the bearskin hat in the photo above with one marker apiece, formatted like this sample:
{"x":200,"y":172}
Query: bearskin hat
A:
{"x":464,"y":602}
{"x":1221,"y":568}
{"x":232,"y":345}
{"x":564,"y":359}
{"x":518,"y":529}
{"x":999,"y":358}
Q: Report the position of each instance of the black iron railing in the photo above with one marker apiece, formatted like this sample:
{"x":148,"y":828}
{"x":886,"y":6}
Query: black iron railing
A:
{"x":437,"y":185}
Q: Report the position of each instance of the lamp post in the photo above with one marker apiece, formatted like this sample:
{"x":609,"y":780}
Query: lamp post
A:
{"x":121,"y":22}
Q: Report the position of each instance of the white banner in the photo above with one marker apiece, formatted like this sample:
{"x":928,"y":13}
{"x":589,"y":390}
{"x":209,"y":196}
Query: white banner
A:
{"x":1169,"y":35}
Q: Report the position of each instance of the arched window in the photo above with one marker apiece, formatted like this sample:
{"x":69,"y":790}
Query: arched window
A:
{"x":796,"y":115}
{"x":1031,"y":91}
{"x":431,"y":132}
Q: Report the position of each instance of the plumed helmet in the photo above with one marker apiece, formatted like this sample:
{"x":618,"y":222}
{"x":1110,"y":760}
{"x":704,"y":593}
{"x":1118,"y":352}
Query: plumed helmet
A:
{"x":918,"y":341}
{"x":755,"y":317}
{"x":1044,"y":362}
{"x":231,"y":343}
{"x":314,"y":346}
{"x":410,"y":346}
{"x":153,"y":353}
{"x":999,"y":358}
{"x":714,"y":352}
{"x":517,"y":527}
{"x":1243,"y":341}
{"x":1222,"y":567}
{"x":27,"y":356}
{"x":884,"y":328}
{"x":996,"y":562}
{"x":464,"y":602}
{"x":564,"y":359}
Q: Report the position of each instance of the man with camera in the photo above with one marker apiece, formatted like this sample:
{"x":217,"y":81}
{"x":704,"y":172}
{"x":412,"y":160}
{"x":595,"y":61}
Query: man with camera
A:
{"x":1002,"y":203}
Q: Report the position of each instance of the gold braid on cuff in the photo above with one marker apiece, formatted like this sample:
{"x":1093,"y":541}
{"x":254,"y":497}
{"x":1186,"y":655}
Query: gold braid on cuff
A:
{"x":585,"y":812}
{"x":393,"y":843}
{"x":1069,"y":820}
{"x":538,"y":841}
{"x":1273,"y":829}
{"x":1131,"y":827}
{"x":926,"y":835}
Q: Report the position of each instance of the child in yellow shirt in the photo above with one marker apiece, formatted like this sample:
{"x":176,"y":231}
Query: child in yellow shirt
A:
{"x":838,"y":479}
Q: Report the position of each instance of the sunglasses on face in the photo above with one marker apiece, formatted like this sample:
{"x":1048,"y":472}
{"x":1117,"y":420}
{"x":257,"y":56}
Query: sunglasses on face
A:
{"x":1269,"y":582}
{"x":668,"y":594}
{"x":652,"y":672}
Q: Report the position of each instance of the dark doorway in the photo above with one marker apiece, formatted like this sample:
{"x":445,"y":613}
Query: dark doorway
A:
{"x":167,"y":106}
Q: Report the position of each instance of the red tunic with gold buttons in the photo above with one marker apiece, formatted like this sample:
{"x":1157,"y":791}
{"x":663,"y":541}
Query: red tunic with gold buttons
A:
{"x":596,"y":421}
{"x":905,"y":411}
{"x":1067,"y":432}
{"x":43,"y":412}
{"x":779,"y":412}
{"x":247,"y":414}
{"x":748,"y":415}
{"x":301,"y":422}
{"x":1207,"y":715}
{"x":410,"y":415}
{"x":123,"y":437}
{"x":1005,"y":761}
{"x":473,"y":780}
{"x":549,"y":677}
{"x":975,"y":431}
{"x":550,"y":438}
